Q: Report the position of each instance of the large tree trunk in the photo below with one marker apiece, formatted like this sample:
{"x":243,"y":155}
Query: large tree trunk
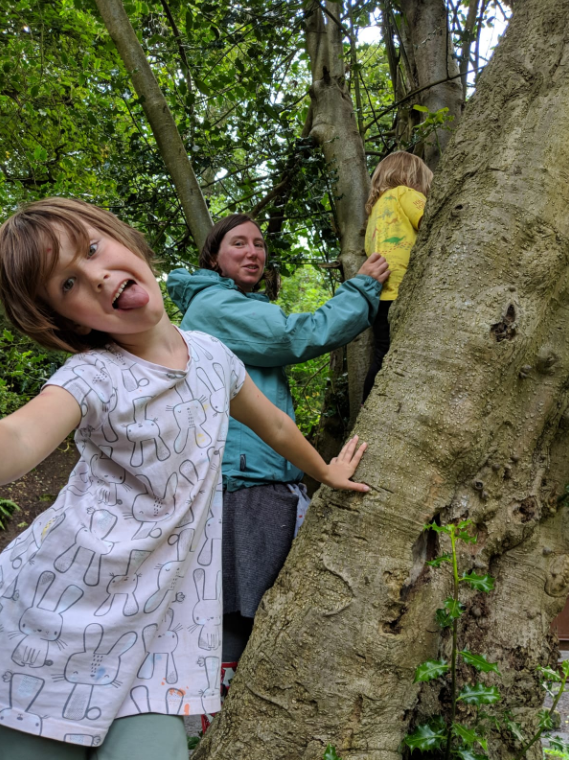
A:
{"x":468,"y":419}
{"x":431,"y":67}
{"x":159,"y":117}
{"x":334,"y":127}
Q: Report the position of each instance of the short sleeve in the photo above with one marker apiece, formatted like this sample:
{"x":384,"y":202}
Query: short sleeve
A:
{"x":86,"y":378}
{"x":237,"y":374}
{"x":413,"y":205}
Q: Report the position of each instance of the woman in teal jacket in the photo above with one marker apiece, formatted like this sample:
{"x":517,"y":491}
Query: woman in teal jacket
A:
{"x":260,"y":487}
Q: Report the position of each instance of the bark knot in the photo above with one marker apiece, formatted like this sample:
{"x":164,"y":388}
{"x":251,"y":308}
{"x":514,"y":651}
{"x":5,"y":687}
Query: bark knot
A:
{"x":506,"y":329}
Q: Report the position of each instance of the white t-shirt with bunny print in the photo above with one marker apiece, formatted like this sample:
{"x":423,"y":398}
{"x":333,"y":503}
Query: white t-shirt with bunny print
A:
{"x":110,"y":602}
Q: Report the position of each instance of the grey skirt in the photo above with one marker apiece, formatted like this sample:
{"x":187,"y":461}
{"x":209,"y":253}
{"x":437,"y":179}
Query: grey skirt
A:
{"x":258,"y":528}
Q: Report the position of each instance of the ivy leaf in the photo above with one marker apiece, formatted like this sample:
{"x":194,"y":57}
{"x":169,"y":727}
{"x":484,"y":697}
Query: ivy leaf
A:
{"x":438,"y":561}
{"x":479,"y":582}
{"x":426,"y":736}
{"x":330,"y":753}
{"x":453,"y":607}
{"x":422,"y":109}
{"x":430,"y":669}
{"x":479,"y":662}
{"x":479,"y":694}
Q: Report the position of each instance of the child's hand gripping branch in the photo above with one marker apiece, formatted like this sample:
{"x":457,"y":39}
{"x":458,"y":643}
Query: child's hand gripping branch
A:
{"x":277,"y":429}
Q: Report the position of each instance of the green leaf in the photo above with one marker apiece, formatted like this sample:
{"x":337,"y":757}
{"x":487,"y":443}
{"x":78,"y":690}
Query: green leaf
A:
{"x":422,"y":109}
{"x":514,"y":728}
{"x":202,"y":87}
{"x":479,"y":582}
{"x":426,"y":736}
{"x":556,"y":744}
{"x":438,"y":561}
{"x":454,"y":607}
{"x":431,"y":669}
{"x":545,"y":720}
{"x":468,"y":735}
{"x":467,"y":754}
{"x":479,"y":694}
{"x":565,"y":667}
{"x":479,"y":662}
{"x":330,"y":753}
{"x":466,"y":537}
{"x":443,"y":618}
{"x":437,"y":528}
{"x":549,"y":674}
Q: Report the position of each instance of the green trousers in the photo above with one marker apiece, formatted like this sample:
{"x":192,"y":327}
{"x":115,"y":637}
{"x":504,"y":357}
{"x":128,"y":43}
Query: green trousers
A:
{"x":144,"y":737}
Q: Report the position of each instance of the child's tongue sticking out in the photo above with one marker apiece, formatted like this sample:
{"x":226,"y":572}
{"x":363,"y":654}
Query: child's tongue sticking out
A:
{"x":132,"y":297}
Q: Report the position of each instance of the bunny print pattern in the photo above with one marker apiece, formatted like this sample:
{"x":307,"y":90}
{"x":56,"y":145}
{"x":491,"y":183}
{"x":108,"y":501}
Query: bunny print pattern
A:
{"x":111,"y":600}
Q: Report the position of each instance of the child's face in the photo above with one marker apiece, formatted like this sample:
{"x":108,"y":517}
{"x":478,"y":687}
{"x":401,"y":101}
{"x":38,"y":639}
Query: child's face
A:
{"x":109,"y":288}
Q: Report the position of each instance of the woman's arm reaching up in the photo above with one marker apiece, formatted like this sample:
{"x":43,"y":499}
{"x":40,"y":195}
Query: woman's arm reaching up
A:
{"x":277,"y":429}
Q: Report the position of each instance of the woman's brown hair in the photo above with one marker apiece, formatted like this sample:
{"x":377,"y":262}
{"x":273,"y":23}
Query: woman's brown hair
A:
{"x":29,"y":251}
{"x":210,"y":250}
{"x":399,"y":168}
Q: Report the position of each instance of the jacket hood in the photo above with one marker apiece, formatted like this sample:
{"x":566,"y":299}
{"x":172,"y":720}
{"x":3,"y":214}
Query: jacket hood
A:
{"x":183,"y":286}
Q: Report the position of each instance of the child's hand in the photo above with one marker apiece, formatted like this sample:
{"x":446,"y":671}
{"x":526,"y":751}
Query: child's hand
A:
{"x":342,"y":467}
{"x":377,"y":267}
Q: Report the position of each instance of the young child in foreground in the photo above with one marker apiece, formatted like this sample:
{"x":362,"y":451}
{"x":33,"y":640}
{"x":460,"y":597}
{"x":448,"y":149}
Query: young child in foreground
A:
{"x":110,"y":602}
{"x":399,"y":186}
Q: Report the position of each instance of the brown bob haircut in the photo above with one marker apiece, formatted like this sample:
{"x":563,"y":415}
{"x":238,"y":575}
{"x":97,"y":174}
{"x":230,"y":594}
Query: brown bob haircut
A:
{"x":29,"y":251}
{"x":399,"y":168}
{"x":210,"y":250}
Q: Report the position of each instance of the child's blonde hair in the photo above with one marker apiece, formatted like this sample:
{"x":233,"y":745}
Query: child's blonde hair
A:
{"x":399,"y":168}
{"x":29,"y":252}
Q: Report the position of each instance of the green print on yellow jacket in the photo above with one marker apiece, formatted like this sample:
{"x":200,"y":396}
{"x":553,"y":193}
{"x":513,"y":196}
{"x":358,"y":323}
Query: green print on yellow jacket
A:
{"x":392,"y":230}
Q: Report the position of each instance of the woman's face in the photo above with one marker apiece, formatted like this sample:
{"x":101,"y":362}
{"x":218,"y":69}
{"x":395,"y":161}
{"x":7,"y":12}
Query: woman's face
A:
{"x":242,"y":256}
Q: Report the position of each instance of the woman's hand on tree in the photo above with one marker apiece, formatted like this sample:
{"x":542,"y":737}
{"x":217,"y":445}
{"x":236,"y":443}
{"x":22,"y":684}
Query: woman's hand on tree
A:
{"x":377,"y":267}
{"x":342,"y":467}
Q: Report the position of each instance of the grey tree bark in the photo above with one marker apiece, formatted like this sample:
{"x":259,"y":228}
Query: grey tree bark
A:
{"x":159,"y":117}
{"x":335,"y":129}
{"x":428,"y":58}
{"x":468,"y":419}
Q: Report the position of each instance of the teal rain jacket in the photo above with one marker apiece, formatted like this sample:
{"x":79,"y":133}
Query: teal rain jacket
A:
{"x":266,"y":340}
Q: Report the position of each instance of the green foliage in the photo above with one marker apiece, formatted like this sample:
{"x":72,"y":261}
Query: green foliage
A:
{"x":330,"y":753}
{"x":7,"y":509}
{"x":479,"y":582}
{"x":431,"y":669}
{"x":193,"y":742}
{"x":306,"y":291}
{"x":479,"y":694}
{"x":479,"y":662}
{"x":447,"y":736}
{"x":428,"y":736}
{"x":25,"y":367}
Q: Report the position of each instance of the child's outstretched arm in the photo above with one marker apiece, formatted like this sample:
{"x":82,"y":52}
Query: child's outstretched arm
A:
{"x":277,"y":429}
{"x":30,"y":434}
